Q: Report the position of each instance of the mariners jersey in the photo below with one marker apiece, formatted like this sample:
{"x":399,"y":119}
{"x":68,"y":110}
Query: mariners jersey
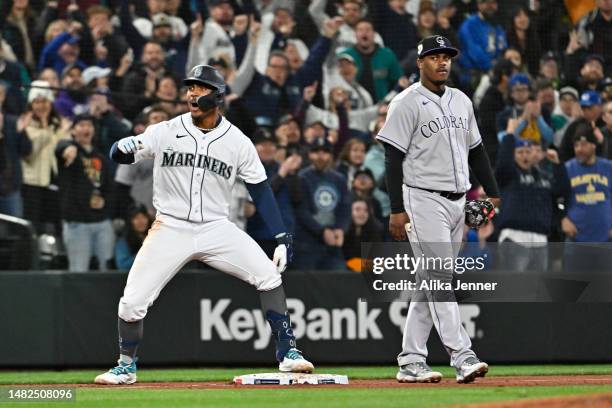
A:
{"x":194,"y":172}
{"x":436,"y":133}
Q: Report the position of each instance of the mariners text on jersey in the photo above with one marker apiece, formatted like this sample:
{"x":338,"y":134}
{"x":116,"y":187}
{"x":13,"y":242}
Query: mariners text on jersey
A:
{"x":176,"y":159}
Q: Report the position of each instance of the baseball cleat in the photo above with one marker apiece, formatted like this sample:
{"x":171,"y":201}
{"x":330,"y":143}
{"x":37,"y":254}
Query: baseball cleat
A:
{"x":418,"y":372}
{"x":471,"y":369}
{"x":294,"y":362}
{"x":122,"y":374}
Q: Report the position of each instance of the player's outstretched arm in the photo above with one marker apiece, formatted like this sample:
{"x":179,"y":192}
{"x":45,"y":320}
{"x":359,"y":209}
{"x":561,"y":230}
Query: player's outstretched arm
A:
{"x":266,"y":205}
{"x":123,"y":151}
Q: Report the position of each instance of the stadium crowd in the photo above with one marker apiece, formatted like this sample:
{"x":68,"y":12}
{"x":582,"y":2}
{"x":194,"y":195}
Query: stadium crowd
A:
{"x":309,"y":81}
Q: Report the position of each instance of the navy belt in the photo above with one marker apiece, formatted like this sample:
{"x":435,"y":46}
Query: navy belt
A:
{"x":446,"y":194}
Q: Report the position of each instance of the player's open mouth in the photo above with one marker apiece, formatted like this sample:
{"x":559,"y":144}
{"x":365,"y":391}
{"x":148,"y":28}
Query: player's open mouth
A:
{"x":194,"y":104}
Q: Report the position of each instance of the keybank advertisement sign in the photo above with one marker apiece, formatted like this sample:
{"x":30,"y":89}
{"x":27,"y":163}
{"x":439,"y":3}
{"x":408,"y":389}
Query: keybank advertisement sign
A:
{"x":224,"y":319}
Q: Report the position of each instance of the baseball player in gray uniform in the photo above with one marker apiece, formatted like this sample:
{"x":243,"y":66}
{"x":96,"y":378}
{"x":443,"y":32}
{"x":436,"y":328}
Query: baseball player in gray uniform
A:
{"x":198,"y":156}
{"x":431,"y":141}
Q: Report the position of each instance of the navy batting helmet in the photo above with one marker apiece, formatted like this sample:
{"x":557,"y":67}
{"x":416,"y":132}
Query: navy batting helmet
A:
{"x":209,"y":77}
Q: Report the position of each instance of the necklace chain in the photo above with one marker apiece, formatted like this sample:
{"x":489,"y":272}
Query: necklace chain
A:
{"x":209,"y":130}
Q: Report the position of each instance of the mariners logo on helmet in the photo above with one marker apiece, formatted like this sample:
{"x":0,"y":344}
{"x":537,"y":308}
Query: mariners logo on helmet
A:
{"x":197,"y":72}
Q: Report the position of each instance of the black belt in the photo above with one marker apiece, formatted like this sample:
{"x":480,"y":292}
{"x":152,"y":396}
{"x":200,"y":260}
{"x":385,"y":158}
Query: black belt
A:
{"x":446,"y":194}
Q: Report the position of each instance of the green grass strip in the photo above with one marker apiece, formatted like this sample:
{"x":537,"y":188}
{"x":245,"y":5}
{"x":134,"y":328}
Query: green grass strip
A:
{"x":226,"y":374}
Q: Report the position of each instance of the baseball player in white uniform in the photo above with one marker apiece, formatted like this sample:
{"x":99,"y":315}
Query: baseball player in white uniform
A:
{"x":197,"y":158}
{"x":431,"y":140}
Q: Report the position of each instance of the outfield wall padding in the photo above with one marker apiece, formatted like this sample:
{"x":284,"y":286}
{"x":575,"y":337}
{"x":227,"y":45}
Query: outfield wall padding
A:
{"x":60,"y":319}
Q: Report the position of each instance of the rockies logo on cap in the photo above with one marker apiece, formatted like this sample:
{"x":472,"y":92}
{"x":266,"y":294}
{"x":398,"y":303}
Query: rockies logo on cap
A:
{"x":435,"y":44}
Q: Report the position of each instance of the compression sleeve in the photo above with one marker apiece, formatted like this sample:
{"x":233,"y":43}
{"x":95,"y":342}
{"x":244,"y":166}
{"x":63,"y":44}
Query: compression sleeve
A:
{"x":118,"y":156}
{"x":479,"y":162}
{"x":394,"y":176}
{"x":266,"y":205}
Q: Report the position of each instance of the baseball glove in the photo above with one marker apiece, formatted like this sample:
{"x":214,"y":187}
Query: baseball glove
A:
{"x":478,"y":213}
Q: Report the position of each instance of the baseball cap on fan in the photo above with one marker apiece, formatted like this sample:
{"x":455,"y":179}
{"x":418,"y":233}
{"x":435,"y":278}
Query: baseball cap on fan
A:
{"x":94,"y":72}
{"x":436,"y":44}
{"x":590,"y":98}
{"x":161,"y":20}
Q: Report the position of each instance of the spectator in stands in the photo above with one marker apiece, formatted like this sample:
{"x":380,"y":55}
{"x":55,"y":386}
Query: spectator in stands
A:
{"x":339,"y":116}
{"x":49,"y":75}
{"x":324,"y":212}
{"x":286,"y":187}
{"x":135,"y":232}
{"x":346,"y":78}
{"x":594,"y":31}
{"x":45,"y":128}
{"x":107,"y":45}
{"x":175,"y":44}
{"x":523,"y":35}
{"x":214,"y":37}
{"x":351,"y":159}
{"x":375,"y":156}
{"x":85,"y":188}
{"x":589,"y":75}
{"x":14,"y":146}
{"x":352,"y":12}
{"x":63,"y":50}
{"x":591,"y":104}
{"x":167,"y":95}
{"x":482,"y":42}
{"x":278,"y":93}
{"x":140,"y":84}
{"x":605,"y":88}
{"x":363,"y":186}
{"x":606,"y":132}
{"x":72,"y":99}
{"x":431,"y":22}
{"x":363,"y":228}
{"x":549,"y":69}
{"x":134,"y":182}
{"x":378,"y":69}
{"x":528,"y":194}
{"x":11,"y":76}
{"x":493,"y":102}
{"x":589,"y":211}
{"x":515,"y":56}
{"x":546,"y":97}
{"x":145,"y":24}
{"x":568,"y":110}
{"x":277,"y":30}
{"x":95,"y":77}
{"x":395,"y":25}
{"x":109,"y":126}
{"x":288,"y":135}
{"x":547,"y":17}
{"x":19,"y":24}
{"x":115,"y":81}
{"x":532,"y":126}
